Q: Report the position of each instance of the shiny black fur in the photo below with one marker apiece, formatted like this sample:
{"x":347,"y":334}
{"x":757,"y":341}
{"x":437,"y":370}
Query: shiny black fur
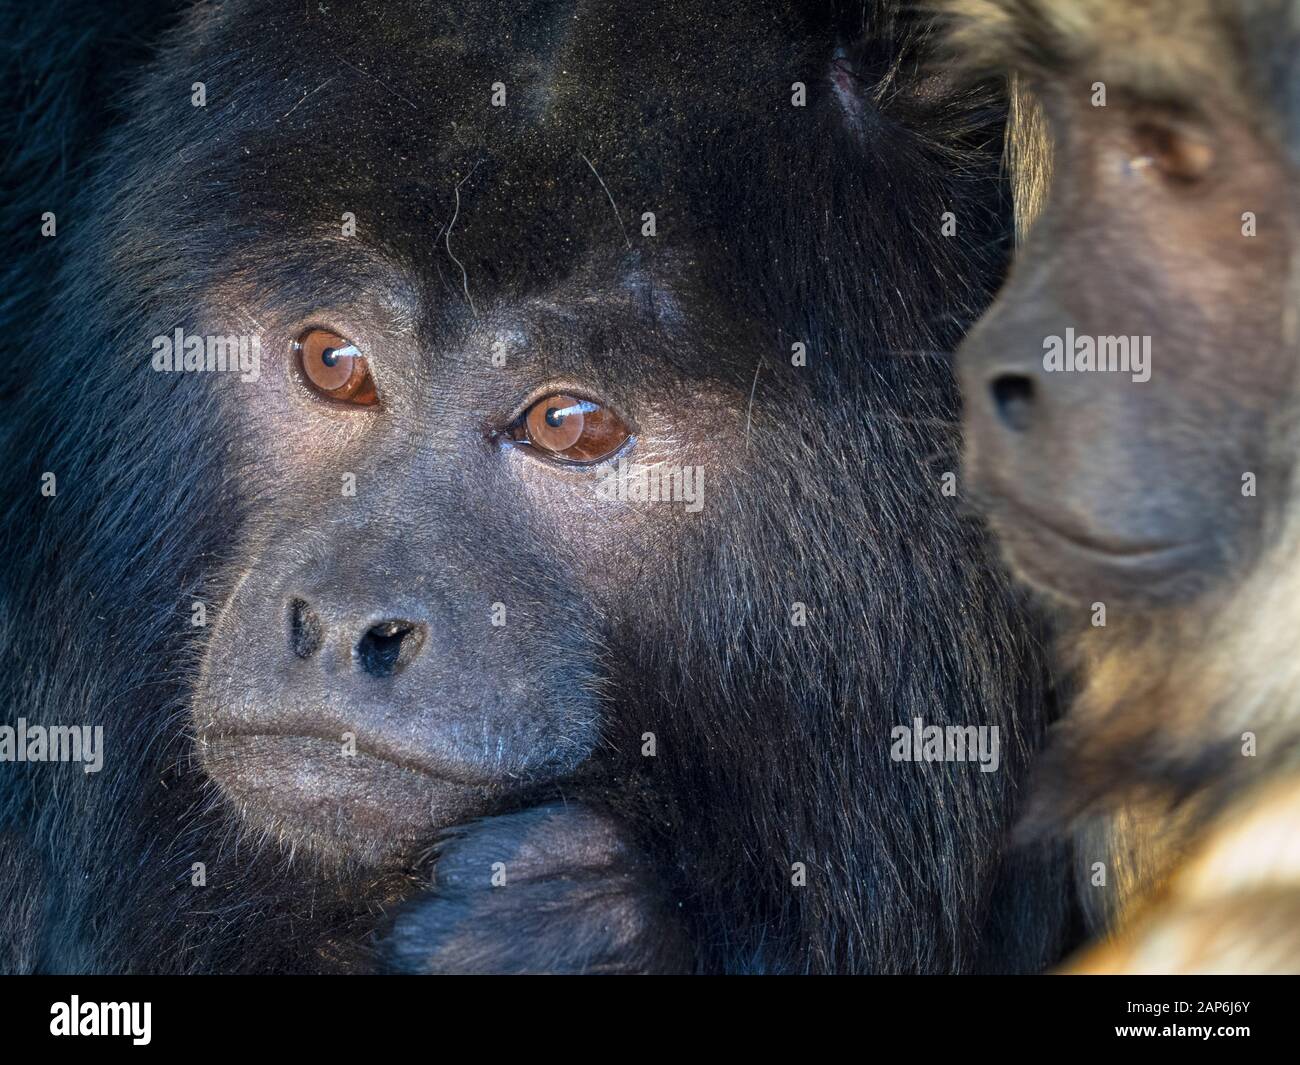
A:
{"x":777,"y":224}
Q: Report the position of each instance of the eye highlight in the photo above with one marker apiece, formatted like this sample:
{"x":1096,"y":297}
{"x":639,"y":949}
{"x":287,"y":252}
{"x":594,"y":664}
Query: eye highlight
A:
{"x":562,"y":426}
{"x":335,"y":368}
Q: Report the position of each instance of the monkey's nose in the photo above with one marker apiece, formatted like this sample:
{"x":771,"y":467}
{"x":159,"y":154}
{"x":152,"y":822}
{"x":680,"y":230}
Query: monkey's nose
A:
{"x":384,"y":649}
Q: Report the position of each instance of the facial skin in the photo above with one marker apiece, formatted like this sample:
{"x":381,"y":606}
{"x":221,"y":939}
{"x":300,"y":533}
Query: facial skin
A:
{"x":370,"y":613}
{"x":1170,"y":216}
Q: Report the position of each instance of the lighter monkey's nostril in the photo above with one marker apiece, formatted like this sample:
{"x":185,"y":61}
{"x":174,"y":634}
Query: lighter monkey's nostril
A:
{"x":1013,"y":399}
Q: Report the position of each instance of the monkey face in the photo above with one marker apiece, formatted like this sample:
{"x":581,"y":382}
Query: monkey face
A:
{"x":447,"y":533}
{"x":1129,"y":395}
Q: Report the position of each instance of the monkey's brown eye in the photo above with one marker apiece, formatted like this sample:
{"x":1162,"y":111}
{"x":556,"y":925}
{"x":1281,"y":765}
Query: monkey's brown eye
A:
{"x":566,"y":427}
{"x":335,"y":368}
{"x":1180,"y":155}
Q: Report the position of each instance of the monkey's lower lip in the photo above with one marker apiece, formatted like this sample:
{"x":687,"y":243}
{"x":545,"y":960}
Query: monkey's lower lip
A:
{"x":308,"y":784}
{"x":1074,"y":563}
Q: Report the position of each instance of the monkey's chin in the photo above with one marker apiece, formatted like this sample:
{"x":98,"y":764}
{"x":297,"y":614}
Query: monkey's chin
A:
{"x":343,"y":809}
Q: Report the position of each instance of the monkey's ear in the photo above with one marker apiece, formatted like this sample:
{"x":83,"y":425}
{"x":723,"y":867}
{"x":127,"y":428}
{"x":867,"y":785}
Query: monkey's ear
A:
{"x":919,"y":85}
{"x":875,"y":82}
{"x":849,"y":90}
{"x":869,"y":86}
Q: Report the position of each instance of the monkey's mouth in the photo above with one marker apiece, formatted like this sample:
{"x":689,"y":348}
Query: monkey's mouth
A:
{"x":1080,"y":564}
{"x":329,"y":746}
{"x":362,"y":803}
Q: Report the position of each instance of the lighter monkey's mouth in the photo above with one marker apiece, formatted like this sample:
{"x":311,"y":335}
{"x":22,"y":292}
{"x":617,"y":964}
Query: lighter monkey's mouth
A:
{"x":1118,"y":549}
{"x":1136,"y":553}
{"x":1069,"y":562}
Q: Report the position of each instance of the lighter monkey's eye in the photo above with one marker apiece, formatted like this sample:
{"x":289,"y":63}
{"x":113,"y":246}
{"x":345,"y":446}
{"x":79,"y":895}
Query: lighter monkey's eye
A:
{"x":1182,"y":156}
{"x":575,"y":430}
{"x":335,"y":368}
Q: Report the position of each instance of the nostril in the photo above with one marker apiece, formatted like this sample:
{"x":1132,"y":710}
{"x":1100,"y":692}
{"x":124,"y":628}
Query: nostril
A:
{"x":304,"y":629}
{"x":388,"y":647}
{"x":1013,"y":399}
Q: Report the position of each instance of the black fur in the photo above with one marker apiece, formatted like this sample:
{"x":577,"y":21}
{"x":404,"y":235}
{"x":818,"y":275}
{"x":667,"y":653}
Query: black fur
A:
{"x":777,"y":224}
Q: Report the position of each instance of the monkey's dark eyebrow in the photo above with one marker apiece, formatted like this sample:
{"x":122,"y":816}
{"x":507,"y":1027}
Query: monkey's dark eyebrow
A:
{"x":303,"y":270}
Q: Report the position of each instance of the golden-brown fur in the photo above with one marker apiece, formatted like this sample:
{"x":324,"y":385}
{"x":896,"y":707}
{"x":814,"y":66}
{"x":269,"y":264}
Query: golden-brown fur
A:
{"x":1232,"y":907}
{"x":1192,"y":717}
{"x":1028,"y":156}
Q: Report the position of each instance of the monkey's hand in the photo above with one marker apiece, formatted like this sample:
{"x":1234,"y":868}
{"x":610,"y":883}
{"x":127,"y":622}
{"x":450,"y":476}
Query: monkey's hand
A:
{"x":555,"y":889}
